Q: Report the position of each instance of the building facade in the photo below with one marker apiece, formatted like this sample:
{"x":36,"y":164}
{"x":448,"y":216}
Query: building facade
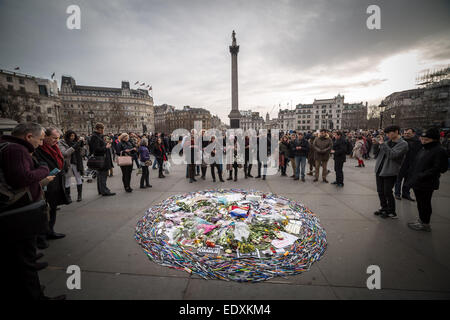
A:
{"x":26,"y":98}
{"x":304,"y":117}
{"x":354,"y":116}
{"x":418,"y":108}
{"x":161,"y":116}
{"x":120,"y":109}
{"x":251,"y":120}
{"x":186,"y":117}
{"x":328,"y":113}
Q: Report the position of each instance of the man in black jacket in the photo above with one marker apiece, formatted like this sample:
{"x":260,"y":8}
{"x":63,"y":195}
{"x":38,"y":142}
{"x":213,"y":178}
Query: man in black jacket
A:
{"x":300,"y":149}
{"x":414,"y":146}
{"x":430,"y":162}
{"x":339,"y":151}
{"x":99,"y":147}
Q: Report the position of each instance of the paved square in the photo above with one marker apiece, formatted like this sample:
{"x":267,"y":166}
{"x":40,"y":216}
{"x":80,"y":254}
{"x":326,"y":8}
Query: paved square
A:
{"x":100,"y":240}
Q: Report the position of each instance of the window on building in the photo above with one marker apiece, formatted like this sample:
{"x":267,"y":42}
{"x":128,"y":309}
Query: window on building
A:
{"x":28,"y":118}
{"x":22,"y":89}
{"x":21,"y":81}
{"x":9,"y":79}
{"x":49,"y":110}
{"x":10,"y":87}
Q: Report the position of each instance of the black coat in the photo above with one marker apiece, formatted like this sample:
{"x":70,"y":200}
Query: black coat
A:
{"x":414,"y":147}
{"x":55,"y":194}
{"x":340,"y":149}
{"x":426,"y":170}
{"x":97,"y":146}
{"x":124,"y":145}
{"x":303,"y":143}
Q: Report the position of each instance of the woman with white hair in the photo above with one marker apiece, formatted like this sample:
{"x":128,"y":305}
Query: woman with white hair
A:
{"x":125,"y":148}
{"x":144,"y":158}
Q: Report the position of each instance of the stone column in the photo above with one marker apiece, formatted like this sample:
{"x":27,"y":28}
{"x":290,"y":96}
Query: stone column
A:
{"x":234,"y":114}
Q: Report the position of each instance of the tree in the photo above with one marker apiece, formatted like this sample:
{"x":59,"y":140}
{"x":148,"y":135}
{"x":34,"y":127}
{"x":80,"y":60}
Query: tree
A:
{"x":13,"y":104}
{"x":119,"y":117}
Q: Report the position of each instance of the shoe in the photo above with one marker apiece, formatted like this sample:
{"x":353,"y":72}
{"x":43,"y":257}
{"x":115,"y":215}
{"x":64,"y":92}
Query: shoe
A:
{"x":235,"y":179}
{"x":409,"y":198}
{"x":80,"y":192}
{"x":335,"y":182}
{"x":191,"y":180}
{"x":358,"y":166}
{"x":214,"y":180}
{"x":69,"y":199}
{"x":295,"y":178}
{"x":129,"y":190}
{"x":419,"y":226}
{"x":303,"y":179}
{"x":221,"y":180}
{"x":109,"y":194}
{"x":340,"y":185}
{"x":55,"y":236}
{"x":61,"y":297}
{"x":38,"y":256}
{"x":264,"y":177}
{"x":40,"y":265}
{"x":363,"y":165}
{"x":379,"y":212}
{"x":325,"y":180}
{"x":398,"y":197}
{"x":194,"y":180}
{"x":148,"y":185}
{"x":250,"y":176}
{"x":315,"y":180}
{"x":142,"y":187}
{"x":391,"y":215}
{"x":41,"y":243}
{"x":309,"y":173}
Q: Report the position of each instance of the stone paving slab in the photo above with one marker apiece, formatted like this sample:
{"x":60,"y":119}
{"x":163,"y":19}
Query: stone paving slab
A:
{"x":100,"y":239}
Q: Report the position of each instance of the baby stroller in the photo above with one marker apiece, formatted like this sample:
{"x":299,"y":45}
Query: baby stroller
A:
{"x":89,"y":175}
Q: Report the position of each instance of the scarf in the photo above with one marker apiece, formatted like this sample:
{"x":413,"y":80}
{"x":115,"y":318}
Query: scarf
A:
{"x":55,"y":153}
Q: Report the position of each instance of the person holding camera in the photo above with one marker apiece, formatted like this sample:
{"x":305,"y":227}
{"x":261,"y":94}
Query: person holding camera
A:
{"x":126,"y":148}
{"x":144,"y":158}
{"x":70,"y":148}
{"x":102,"y":151}
{"x":389,"y":157}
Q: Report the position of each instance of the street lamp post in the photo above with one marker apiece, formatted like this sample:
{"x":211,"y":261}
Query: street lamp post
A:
{"x":382,"y":108}
{"x":392,"y":118}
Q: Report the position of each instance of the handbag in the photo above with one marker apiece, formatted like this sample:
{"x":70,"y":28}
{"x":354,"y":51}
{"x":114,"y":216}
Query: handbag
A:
{"x":27,"y":221}
{"x":124,"y":161}
{"x":96,"y":162}
{"x":166,"y":167}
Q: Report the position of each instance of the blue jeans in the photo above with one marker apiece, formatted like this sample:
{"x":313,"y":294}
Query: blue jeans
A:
{"x":155,"y":163}
{"x":300,"y":160}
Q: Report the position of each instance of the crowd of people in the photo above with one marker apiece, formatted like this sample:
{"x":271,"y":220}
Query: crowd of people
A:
{"x":37,"y":166}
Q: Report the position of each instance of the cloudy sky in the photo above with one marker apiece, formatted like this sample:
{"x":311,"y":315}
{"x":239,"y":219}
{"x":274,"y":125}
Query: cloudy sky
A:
{"x":291,"y":51}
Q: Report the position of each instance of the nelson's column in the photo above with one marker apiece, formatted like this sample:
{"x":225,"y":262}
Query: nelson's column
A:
{"x":234,"y":114}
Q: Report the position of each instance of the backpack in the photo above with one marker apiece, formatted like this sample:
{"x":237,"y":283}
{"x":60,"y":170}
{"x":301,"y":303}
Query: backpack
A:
{"x":349,"y":147}
{"x":9,"y":195}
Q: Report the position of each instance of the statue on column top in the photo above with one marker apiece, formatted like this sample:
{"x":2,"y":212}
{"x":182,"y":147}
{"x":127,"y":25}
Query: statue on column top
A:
{"x":233,"y":36}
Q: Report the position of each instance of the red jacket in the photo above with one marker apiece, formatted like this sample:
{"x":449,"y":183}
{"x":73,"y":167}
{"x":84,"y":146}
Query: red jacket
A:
{"x":19,"y":168}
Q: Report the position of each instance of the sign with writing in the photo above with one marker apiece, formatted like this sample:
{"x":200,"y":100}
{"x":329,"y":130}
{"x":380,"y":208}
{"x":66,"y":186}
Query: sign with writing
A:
{"x":207,"y":250}
{"x":254,"y":254}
